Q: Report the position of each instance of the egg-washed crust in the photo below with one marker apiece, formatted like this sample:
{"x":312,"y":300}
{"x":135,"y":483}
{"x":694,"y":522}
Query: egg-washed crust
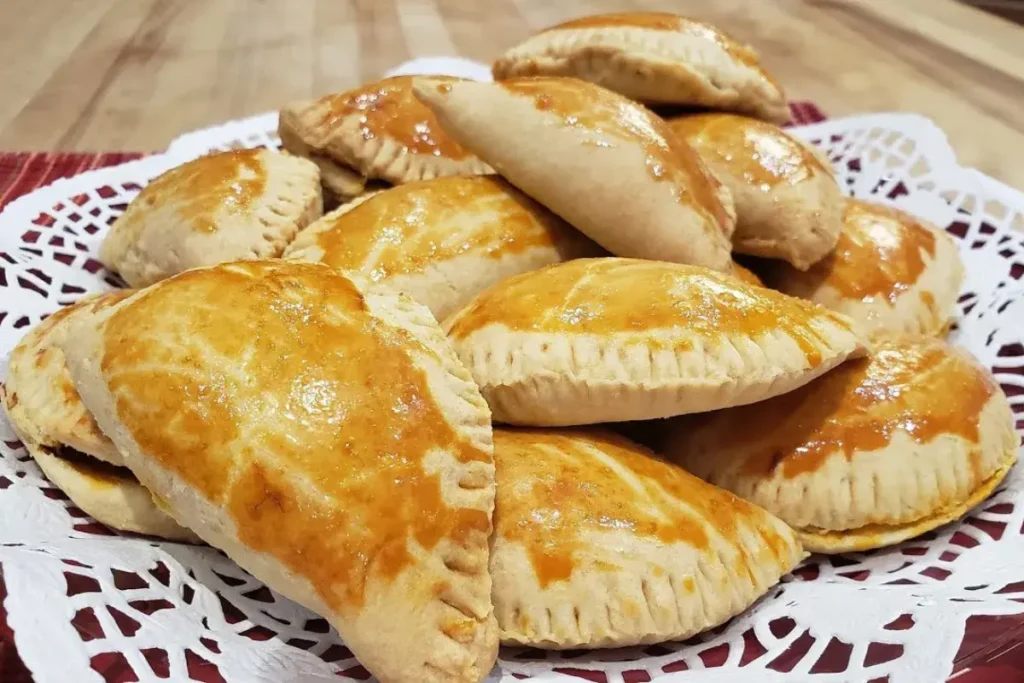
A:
{"x":872,"y":468}
{"x":709,"y":557}
{"x":657,"y":67}
{"x":925,"y":306}
{"x":376,"y":155}
{"x":560,"y":140}
{"x":304,"y":247}
{"x":452,"y":635}
{"x":43,"y":406}
{"x":873,"y":536}
{"x":913,"y":488}
{"x":442,"y":241}
{"x":566,"y":378}
{"x":788,"y":204}
{"x":177,"y":222}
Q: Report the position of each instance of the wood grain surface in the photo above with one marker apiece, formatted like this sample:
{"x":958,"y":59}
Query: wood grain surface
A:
{"x":132,"y":74}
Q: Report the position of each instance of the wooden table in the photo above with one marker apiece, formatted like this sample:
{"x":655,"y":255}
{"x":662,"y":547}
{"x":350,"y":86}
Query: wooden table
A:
{"x":132,"y":74}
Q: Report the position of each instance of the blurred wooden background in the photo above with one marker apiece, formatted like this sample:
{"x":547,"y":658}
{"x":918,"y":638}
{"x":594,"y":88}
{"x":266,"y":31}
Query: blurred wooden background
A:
{"x":1008,"y":9}
{"x":132,"y":74}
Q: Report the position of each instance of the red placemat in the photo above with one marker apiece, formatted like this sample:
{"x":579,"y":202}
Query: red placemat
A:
{"x":991,"y":651}
{"x":22,"y":172}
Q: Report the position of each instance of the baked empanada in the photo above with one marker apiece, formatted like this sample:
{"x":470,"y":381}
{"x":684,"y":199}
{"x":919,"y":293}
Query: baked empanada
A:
{"x":243,"y":204}
{"x":379,"y":130}
{"x":890,"y":271}
{"x":599,"y":543}
{"x":788,"y":205}
{"x":319,"y":430}
{"x":109,"y":494}
{"x":611,"y":340}
{"x":606,"y":165}
{"x":63,"y":438}
{"x":877,"y":451}
{"x":653,"y":57}
{"x":442,"y":241}
{"x":340,"y":183}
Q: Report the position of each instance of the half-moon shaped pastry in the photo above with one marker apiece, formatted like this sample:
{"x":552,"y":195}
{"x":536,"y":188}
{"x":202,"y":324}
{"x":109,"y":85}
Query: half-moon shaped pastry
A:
{"x":611,"y":340}
{"x":890,"y":272}
{"x":378,"y":130}
{"x":319,"y":430}
{"x":788,"y":205}
{"x":442,"y":241}
{"x":880,"y":450}
{"x":340,"y":182}
{"x":243,"y":204}
{"x":653,"y":57}
{"x":63,"y":438}
{"x":606,"y":165}
{"x":42,"y":403}
{"x":109,"y":494}
{"x":599,"y":543}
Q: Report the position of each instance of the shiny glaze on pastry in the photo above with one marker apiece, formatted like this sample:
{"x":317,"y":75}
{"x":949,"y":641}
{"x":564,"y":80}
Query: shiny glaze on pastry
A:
{"x":242,"y":204}
{"x":762,"y":154}
{"x":406,"y":228}
{"x":921,"y":388}
{"x":225,"y":182}
{"x":880,"y":253}
{"x":556,"y":487}
{"x":608,"y":118}
{"x":388,"y":108}
{"x":343,"y":407}
{"x":597,"y":296}
{"x":664,"y":21}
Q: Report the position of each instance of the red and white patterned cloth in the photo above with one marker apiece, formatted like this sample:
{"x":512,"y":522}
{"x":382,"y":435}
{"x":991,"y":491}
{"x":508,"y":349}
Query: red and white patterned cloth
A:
{"x":22,"y":172}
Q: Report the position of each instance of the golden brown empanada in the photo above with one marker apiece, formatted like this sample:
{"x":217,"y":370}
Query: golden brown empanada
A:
{"x":243,"y":204}
{"x":599,"y":543}
{"x":880,"y":450}
{"x":610,"y":340}
{"x":442,"y":241}
{"x":340,"y":183}
{"x":379,"y":130}
{"x":653,"y":57}
{"x":42,"y":403}
{"x":319,"y":430}
{"x":890,"y":271}
{"x":109,"y":494}
{"x":63,"y":438}
{"x":788,"y":205}
{"x":606,"y":165}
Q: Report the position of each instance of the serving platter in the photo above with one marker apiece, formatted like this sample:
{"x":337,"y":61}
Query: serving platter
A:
{"x":87,"y":604}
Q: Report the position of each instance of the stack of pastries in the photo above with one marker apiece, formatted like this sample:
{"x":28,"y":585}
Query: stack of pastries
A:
{"x":407,"y":413}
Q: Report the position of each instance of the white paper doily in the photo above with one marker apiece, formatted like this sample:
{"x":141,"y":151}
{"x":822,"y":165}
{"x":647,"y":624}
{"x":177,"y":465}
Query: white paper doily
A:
{"x":82,"y":600}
